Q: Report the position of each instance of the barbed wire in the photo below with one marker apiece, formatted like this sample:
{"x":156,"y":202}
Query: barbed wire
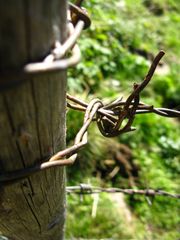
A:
{"x":88,"y":189}
{"x":112,"y":119}
{"x":78,"y":20}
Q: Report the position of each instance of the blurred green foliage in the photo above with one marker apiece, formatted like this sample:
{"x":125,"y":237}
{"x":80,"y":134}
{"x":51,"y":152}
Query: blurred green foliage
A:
{"x":104,"y":225}
{"x":116,"y":52}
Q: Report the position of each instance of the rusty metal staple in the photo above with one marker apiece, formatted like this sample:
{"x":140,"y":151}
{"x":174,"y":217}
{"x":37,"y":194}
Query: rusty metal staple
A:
{"x":88,"y":189}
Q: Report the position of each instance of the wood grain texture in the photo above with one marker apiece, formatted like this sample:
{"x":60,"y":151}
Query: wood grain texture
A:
{"x":32,"y":120}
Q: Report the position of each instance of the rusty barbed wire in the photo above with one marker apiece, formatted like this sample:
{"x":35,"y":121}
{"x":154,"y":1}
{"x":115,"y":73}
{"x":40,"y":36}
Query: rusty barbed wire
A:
{"x":88,"y":189}
{"x":112,"y":119}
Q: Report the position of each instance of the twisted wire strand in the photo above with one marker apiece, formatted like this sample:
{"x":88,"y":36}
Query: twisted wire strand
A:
{"x":88,"y":189}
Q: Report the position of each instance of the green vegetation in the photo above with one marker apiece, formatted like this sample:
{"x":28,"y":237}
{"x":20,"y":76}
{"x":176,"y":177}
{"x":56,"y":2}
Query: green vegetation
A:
{"x":105,"y":224}
{"x":116,"y":52}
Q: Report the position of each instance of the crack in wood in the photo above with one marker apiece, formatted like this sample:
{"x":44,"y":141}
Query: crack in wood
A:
{"x":36,"y":116}
{"x":31,"y":209}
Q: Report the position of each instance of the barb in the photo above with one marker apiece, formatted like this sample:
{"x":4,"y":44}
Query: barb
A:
{"x":111,"y":117}
{"x":113,"y":112}
{"x":88,"y":189}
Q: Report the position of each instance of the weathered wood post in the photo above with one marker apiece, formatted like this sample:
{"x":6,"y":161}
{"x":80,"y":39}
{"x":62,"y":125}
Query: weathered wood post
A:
{"x":32,"y":119}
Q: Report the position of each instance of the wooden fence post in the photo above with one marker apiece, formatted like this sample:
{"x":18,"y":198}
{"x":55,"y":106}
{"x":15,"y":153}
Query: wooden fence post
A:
{"x":32,"y":120}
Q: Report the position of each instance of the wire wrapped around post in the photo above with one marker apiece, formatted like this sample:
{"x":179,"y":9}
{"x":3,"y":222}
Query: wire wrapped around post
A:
{"x":55,"y":61}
